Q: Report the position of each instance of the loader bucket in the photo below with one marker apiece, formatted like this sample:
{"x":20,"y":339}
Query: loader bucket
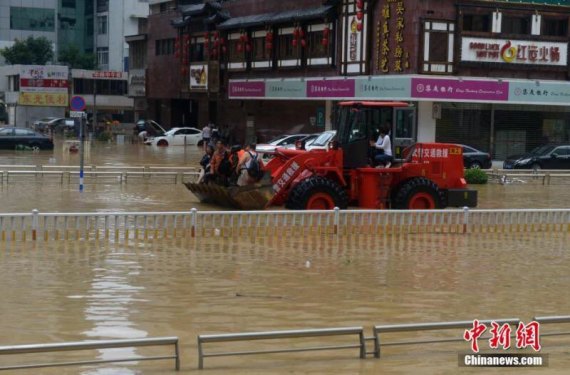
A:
{"x":254,"y":197}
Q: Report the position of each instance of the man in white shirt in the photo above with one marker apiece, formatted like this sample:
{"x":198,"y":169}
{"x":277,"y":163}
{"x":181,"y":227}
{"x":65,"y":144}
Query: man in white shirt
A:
{"x":383,"y":147}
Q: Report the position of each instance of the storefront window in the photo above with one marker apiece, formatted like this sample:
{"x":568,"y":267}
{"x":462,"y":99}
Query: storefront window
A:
{"x":196,"y":51}
{"x":32,"y":19}
{"x":260,"y":52}
{"x":516,"y":25}
{"x":286,"y":49}
{"x":316,"y":48}
{"x":236,"y":53}
{"x":477,"y":22}
{"x":554,"y":27}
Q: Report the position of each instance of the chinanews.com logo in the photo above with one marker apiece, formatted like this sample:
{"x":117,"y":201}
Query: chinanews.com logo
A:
{"x":525,"y":336}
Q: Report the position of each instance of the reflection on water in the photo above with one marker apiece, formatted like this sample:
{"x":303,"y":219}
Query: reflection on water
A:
{"x":65,"y":291}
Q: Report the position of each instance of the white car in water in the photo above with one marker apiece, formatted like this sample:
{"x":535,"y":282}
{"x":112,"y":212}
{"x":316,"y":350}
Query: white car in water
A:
{"x":178,"y":137}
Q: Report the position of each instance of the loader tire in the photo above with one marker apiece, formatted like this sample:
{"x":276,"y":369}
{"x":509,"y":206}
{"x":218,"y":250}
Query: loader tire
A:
{"x":419,"y":194}
{"x":317,"y":193}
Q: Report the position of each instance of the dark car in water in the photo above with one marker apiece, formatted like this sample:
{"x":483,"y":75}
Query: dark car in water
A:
{"x":543,"y":157}
{"x":473,"y":158}
{"x":17,"y":138}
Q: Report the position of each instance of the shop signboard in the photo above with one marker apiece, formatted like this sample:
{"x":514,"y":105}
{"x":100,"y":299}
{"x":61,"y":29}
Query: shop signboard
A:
{"x":199,"y":77}
{"x":506,"y":51}
{"x":331,"y":88}
{"x":286,"y":89}
{"x":44,"y":85}
{"x":245,"y":89}
{"x":460,"y":89}
{"x":99,"y":74}
{"x":137,"y":83}
{"x":539,"y":92}
{"x":387,"y":88}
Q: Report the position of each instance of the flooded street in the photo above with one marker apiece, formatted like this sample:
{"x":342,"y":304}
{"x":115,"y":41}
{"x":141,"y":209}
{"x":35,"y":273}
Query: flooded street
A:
{"x":79,"y":291}
{"x":50,"y":195}
{"x":73,"y":291}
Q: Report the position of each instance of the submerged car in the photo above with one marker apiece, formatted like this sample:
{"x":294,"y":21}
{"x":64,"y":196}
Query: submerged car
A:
{"x":12,"y":138}
{"x":178,"y":137}
{"x":542,"y":157}
{"x":322,"y":141}
{"x":473,"y":158}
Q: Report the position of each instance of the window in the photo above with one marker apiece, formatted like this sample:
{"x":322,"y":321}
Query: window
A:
{"x":234,"y":54}
{"x":438,"y":46}
{"x":6,"y":132}
{"x":554,"y":27}
{"x":101,"y":25}
{"x":196,"y":51}
{"x":477,"y":22}
{"x":102,"y":6}
{"x":32,"y":19}
{"x":316,"y":48}
{"x":68,"y":4}
{"x":103,"y":55}
{"x":260,"y":52}
{"x":89,"y":27}
{"x":438,"y":43}
{"x":515,"y":25}
{"x":286,"y":49}
{"x":24,"y":133}
{"x":164,"y":47}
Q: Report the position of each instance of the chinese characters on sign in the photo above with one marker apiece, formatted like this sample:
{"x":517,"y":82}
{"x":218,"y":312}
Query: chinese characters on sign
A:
{"x":287,"y":175}
{"x":399,"y":58}
{"x":514,"y":51}
{"x":44,"y":86}
{"x":526,"y":335}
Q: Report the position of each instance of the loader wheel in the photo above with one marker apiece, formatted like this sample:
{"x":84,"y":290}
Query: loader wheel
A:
{"x":419,"y":194}
{"x":317,"y":193}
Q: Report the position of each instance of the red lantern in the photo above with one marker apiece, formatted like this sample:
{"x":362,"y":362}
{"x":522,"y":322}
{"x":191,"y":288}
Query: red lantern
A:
{"x":301,"y":33}
{"x":269,"y":36}
{"x":303,"y":43}
{"x":294,"y":43}
{"x":224,"y":50}
{"x":269,"y":46}
{"x":326,"y":32}
{"x":242,"y":38}
{"x":360,"y":4}
{"x":239,"y":48}
{"x":325,"y":42}
{"x":359,"y":26}
{"x":360,"y":15}
{"x":296,"y":33}
{"x":222,"y":41}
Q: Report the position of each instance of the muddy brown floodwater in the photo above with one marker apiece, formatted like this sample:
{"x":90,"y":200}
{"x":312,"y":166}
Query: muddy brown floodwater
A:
{"x":49,"y":195}
{"x":74,"y":291}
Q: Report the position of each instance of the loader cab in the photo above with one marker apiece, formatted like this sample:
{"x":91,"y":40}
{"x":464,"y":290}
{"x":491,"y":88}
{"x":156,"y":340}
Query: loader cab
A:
{"x":359,"y":122}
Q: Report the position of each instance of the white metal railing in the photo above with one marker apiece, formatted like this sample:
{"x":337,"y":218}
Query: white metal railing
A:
{"x":90,"y":345}
{"x":293,"y":334}
{"x":417,"y":327}
{"x":194,"y":223}
{"x":103,"y":175}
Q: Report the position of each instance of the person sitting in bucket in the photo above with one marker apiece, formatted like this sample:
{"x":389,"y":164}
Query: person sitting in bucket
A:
{"x":250,"y":167}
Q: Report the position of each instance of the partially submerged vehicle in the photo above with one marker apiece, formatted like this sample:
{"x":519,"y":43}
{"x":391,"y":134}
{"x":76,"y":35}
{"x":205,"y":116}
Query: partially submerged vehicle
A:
{"x":429,"y":175}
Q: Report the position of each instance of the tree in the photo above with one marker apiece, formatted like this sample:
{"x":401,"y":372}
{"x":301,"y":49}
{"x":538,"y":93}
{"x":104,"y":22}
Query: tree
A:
{"x":72,"y":56}
{"x":31,"y":51}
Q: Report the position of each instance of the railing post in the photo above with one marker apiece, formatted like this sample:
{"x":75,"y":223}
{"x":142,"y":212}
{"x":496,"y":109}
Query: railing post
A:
{"x":35,"y":223}
{"x":200,"y":354}
{"x":193,"y":222}
{"x":177,"y":353}
{"x":336,"y":219}
{"x":465,"y":219}
{"x":376,"y":343}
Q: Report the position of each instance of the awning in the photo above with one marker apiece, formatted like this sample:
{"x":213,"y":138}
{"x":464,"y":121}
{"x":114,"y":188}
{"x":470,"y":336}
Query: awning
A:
{"x":198,"y":9}
{"x":135,"y":38}
{"x":277,"y":17}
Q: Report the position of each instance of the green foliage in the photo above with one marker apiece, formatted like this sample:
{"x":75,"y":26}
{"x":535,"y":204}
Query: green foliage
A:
{"x":104,"y":137}
{"x":476,"y":176}
{"x":31,"y":51}
{"x":72,"y":56}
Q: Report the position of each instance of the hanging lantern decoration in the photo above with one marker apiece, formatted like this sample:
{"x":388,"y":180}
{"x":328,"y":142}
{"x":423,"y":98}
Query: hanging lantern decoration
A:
{"x":359,"y":26}
{"x":294,"y":42}
{"x":325,"y":42}
{"x":239,"y":47}
{"x":303,"y":43}
{"x":360,"y":15}
{"x":360,"y":4}
{"x":296,"y":33}
{"x":248,"y":47}
{"x":326,"y":32}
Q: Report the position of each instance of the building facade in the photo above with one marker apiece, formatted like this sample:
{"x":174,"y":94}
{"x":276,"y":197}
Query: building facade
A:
{"x":491,"y":74}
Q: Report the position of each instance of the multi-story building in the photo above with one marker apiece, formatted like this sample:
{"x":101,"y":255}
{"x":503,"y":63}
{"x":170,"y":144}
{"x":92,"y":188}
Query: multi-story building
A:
{"x":492,"y":74}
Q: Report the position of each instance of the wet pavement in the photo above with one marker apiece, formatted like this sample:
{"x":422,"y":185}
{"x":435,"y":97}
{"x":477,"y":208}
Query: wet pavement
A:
{"x":69,"y":291}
